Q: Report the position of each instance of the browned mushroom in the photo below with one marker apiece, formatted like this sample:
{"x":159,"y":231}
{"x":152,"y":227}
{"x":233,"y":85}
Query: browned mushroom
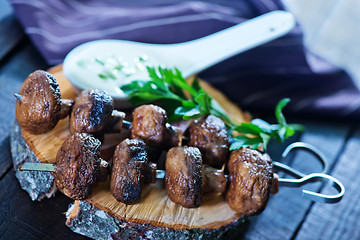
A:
{"x":211,"y":137}
{"x":39,"y":105}
{"x":131,"y":170}
{"x":251,"y":177}
{"x":186,"y":179}
{"x":183,"y":178}
{"x":77,"y":165}
{"x":93,"y":112}
{"x":150,"y":124}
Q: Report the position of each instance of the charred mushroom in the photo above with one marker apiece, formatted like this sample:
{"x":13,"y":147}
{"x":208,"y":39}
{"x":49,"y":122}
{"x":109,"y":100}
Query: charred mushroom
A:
{"x":78,"y":165}
{"x":131,"y":171}
{"x":93,"y":112}
{"x":39,"y":106}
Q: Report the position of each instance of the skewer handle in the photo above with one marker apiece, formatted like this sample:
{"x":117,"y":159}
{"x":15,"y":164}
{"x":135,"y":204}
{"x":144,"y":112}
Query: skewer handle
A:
{"x":44,"y":167}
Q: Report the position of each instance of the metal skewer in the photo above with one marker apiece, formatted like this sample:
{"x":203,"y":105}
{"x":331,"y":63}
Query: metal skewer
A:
{"x":299,"y":180}
{"x":18,"y":97}
{"x":302,"y":179}
{"x":49,"y":167}
{"x":44,"y":167}
{"x":125,"y":124}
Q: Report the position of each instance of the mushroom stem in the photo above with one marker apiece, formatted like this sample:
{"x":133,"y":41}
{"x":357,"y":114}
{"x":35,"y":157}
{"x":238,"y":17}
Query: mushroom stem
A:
{"x":66,"y":106}
{"x":214,"y":180}
{"x":117,"y":119}
{"x":117,"y":122}
{"x":150,"y":172}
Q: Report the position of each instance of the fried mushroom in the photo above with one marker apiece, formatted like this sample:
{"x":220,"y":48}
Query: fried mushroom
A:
{"x":93,"y":112}
{"x":150,"y":124}
{"x":211,"y":137}
{"x":251,"y":177}
{"x":131,"y":171}
{"x":39,"y":106}
{"x":77,"y":165}
{"x":183,"y":177}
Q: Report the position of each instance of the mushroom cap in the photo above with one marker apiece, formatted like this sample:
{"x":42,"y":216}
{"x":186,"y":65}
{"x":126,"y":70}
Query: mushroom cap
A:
{"x":149,"y":124}
{"x":38,"y":111}
{"x":183,"y":178}
{"x":211,"y":137}
{"x":91,"y":112}
{"x":251,"y":177}
{"x":77,"y":165}
{"x":129,"y":171}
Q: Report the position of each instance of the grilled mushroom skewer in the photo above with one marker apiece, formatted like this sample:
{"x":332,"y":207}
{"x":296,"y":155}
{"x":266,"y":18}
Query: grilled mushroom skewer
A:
{"x":78,"y":165}
{"x":39,"y":108}
{"x":186,"y":179}
{"x":93,"y":113}
{"x":131,"y":169}
{"x":90,"y":114}
{"x":250,"y":179}
{"x":246,"y":169}
{"x":39,"y":105}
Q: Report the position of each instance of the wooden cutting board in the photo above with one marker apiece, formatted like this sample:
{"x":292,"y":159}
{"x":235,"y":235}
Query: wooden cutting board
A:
{"x":156,"y":216}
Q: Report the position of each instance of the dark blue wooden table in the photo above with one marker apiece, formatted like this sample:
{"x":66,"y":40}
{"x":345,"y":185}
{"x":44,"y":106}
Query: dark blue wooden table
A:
{"x":287,"y":215}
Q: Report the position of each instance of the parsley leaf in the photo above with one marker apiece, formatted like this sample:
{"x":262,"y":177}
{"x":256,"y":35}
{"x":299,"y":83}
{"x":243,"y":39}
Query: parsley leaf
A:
{"x":184,"y":101}
{"x":169,"y":85}
{"x":260,"y":131}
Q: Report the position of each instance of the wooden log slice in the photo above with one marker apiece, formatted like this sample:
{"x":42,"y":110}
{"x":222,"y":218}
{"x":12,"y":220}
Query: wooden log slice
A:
{"x":101,"y":216}
{"x":107,"y":226}
{"x":39,"y":185}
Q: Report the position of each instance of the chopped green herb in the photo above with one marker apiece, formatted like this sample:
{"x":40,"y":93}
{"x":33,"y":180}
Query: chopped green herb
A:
{"x":100,"y":61}
{"x":111,"y":67}
{"x":143,"y":58}
{"x":102,"y":76}
{"x":81,"y":63}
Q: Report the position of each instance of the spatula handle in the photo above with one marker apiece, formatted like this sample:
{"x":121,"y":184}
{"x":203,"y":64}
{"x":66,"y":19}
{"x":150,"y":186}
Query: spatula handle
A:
{"x":210,"y":50}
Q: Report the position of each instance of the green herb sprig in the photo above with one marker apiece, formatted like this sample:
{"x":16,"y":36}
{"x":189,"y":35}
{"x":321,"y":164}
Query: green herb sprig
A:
{"x":175,"y":94}
{"x":184,"y":101}
{"x":259,"y":132}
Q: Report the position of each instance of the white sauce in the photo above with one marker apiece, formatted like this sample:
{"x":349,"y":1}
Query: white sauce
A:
{"x":106,"y":66}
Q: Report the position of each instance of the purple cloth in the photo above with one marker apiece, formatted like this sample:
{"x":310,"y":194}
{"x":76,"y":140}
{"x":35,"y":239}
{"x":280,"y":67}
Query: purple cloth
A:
{"x":256,"y":79}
